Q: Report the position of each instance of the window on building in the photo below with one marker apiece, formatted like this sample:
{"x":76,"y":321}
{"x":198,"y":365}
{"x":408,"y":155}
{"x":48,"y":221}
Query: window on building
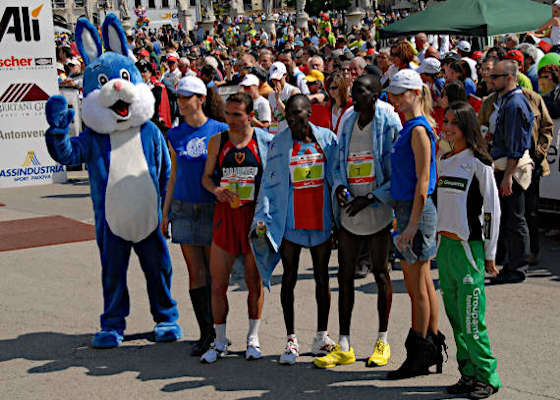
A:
{"x":78,"y":3}
{"x":151,"y":3}
{"x":164,"y":3}
{"x":137,"y":3}
{"x":58,"y":3}
{"x":193,"y":3}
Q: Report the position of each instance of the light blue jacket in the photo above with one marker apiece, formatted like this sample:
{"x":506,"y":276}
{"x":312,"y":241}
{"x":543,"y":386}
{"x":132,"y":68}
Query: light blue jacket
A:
{"x":385,"y":128}
{"x":272,"y":202}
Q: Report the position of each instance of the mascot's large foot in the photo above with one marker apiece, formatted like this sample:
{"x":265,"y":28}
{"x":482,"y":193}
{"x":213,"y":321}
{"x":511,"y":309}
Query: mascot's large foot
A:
{"x":167,"y":332}
{"x":106,"y":339}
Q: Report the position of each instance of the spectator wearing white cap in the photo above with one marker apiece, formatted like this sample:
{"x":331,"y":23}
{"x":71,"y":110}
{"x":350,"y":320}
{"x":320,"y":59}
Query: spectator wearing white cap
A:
{"x":464,"y":50}
{"x":261,"y":106}
{"x":74,"y":74}
{"x":429,"y":71}
{"x":282,"y":92}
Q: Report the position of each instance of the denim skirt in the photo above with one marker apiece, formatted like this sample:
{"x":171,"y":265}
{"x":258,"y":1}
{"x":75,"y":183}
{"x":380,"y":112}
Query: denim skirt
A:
{"x":191,"y":223}
{"x":424,"y":244}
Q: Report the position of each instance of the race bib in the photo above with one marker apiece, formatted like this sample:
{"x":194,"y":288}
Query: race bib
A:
{"x":273,"y":128}
{"x":360,"y":168}
{"x":307,"y":170}
{"x":243,"y":186}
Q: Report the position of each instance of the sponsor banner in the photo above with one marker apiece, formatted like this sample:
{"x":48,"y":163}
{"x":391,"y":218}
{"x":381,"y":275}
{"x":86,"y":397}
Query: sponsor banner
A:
{"x":27,"y":79}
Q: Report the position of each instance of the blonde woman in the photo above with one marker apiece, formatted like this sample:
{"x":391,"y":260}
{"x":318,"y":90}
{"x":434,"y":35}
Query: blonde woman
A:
{"x":413,"y":180}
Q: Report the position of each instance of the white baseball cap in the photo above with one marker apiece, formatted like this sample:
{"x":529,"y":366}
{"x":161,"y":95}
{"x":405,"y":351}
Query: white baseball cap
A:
{"x":277,"y":70}
{"x":250,"y":80}
{"x":430,"y":65}
{"x":209,"y":60}
{"x":191,"y":85}
{"x":556,"y":3}
{"x":465,"y":46}
{"x":405,"y":79}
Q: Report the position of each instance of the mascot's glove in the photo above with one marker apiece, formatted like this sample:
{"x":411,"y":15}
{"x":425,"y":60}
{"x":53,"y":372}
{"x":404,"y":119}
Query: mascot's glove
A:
{"x":59,"y":116}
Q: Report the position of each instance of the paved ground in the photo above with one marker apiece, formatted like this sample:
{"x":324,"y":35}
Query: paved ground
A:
{"x":50,"y":299}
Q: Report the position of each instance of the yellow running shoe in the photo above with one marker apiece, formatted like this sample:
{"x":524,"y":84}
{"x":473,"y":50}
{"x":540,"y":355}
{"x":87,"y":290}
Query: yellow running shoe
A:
{"x":336,"y":357}
{"x":381,"y":354}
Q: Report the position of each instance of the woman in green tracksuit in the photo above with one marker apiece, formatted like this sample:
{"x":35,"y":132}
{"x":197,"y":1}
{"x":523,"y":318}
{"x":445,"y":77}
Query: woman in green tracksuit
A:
{"x":467,"y":195}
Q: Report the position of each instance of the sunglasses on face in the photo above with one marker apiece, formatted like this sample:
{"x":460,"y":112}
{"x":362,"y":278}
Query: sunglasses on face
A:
{"x":496,"y":76}
{"x":333,"y":88}
{"x":447,"y":122}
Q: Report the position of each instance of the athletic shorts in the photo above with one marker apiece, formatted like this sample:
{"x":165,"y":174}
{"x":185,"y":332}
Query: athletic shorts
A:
{"x":424,"y":243}
{"x":191,"y":223}
{"x":231,"y":228}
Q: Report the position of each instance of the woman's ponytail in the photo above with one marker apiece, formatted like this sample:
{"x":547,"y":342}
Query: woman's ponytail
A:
{"x":426,"y":104}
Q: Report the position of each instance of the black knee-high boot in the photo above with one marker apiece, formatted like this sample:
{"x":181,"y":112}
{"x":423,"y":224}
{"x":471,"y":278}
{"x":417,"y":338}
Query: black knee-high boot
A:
{"x":419,"y":354}
{"x":201,"y":301}
{"x":440,"y":347}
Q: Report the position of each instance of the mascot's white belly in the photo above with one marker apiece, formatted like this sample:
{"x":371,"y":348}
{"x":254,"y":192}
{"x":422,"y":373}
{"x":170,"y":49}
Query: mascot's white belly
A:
{"x":131,"y":200}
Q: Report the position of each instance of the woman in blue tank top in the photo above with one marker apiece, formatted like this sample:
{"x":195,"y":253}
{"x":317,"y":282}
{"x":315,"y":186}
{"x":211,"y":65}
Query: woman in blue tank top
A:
{"x":188,"y":206}
{"x":413,"y":180}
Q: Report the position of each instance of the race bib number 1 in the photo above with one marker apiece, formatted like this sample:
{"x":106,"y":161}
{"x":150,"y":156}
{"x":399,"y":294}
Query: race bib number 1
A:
{"x":360,"y":168}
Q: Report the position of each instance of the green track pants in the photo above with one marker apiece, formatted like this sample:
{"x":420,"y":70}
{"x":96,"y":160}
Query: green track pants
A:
{"x":461,"y":278}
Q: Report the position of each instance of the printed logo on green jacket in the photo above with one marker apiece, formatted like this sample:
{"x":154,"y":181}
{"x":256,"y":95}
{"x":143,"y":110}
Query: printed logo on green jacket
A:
{"x":451,"y":182}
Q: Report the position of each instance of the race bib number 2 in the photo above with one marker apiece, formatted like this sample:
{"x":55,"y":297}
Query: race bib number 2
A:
{"x":307,"y":170}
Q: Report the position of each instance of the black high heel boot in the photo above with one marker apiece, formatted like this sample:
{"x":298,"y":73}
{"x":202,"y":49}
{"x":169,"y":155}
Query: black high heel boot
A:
{"x":200,"y":299}
{"x":440,"y":347}
{"x":419,"y":354}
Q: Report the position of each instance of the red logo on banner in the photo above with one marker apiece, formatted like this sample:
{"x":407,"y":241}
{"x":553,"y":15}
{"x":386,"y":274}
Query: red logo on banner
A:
{"x":20,"y":92}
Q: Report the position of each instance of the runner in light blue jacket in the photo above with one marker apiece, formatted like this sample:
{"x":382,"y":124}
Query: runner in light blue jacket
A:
{"x":294,"y":203}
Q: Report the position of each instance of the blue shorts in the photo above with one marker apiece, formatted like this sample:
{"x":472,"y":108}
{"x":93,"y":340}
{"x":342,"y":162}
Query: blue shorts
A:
{"x":424,"y":243}
{"x":191,"y":223}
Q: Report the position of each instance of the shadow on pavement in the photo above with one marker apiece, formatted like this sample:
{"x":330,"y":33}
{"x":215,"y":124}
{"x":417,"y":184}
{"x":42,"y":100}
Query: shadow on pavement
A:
{"x":165,"y":361}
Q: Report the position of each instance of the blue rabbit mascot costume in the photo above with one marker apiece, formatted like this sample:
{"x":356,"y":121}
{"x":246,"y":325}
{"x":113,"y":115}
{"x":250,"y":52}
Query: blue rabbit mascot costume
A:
{"x":129,"y":167}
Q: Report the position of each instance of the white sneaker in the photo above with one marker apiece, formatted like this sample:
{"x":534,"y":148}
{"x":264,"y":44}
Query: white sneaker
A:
{"x":321,"y":345}
{"x":290,"y":354}
{"x":215,"y":352}
{"x":253,"y":349}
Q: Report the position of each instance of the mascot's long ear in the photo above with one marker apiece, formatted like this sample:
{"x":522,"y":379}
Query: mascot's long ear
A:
{"x":114,"y":37}
{"x":88,"y":41}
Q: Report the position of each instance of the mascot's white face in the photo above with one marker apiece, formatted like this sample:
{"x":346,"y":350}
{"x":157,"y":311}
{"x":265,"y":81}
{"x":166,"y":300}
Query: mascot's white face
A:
{"x":115,"y":95}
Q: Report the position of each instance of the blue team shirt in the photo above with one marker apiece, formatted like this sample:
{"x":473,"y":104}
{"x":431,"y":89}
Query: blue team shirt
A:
{"x":403,"y":168}
{"x":191,"y":149}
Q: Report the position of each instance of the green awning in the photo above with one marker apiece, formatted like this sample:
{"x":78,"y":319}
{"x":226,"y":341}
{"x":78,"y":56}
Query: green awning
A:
{"x":473,"y":18}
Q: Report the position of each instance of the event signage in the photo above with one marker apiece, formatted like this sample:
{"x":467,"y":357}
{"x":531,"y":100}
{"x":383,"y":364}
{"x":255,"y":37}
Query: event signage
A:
{"x":27,"y":78}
